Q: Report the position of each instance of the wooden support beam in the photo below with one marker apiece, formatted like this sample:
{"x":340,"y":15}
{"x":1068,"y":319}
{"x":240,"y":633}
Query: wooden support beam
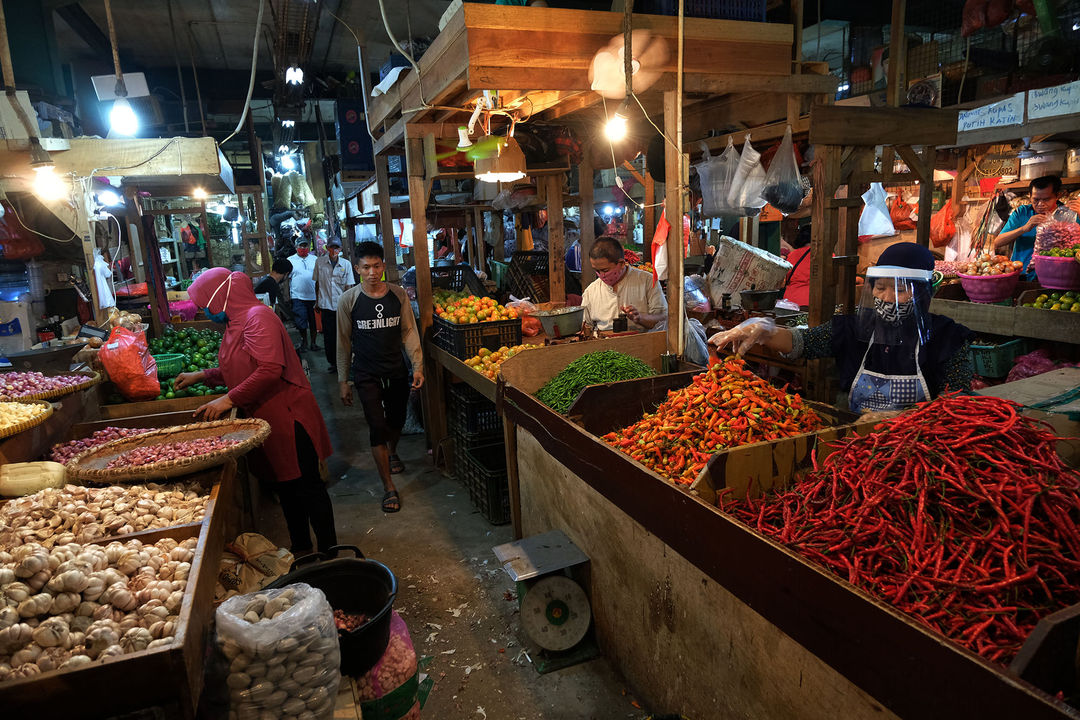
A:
{"x":896,"y":91}
{"x":588,"y":212}
{"x":497,"y":221}
{"x":823,"y":234}
{"x":633,"y":171}
{"x":480,"y":259}
{"x":673,"y":187}
{"x":805,"y":84}
{"x":556,"y":240}
{"x":772,"y":131}
{"x":386,"y":219}
{"x":519,"y":240}
{"x":846,"y":125}
{"x":434,"y":401}
{"x":649,"y":212}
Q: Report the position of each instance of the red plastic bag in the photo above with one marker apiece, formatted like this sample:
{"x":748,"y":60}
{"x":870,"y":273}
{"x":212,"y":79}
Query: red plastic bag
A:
{"x":974,"y":17}
{"x":136,"y":290}
{"x":942,"y":227}
{"x":997,"y":12}
{"x":130,"y":365}
{"x":900,"y":214}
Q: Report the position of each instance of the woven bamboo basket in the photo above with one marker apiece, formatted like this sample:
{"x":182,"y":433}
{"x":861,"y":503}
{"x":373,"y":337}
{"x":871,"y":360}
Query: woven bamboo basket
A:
{"x":92,"y":378}
{"x":90,"y":466}
{"x":27,"y":424}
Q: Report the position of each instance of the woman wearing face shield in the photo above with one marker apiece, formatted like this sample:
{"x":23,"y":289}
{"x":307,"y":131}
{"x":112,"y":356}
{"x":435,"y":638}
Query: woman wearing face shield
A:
{"x":892,"y":353}
{"x":256,"y":361}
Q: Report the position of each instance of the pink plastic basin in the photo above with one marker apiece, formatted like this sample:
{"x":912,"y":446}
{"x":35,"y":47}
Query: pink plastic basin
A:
{"x":989,"y":288}
{"x":1057,"y":273}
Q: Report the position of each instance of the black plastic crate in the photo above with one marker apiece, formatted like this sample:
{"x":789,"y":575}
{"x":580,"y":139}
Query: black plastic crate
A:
{"x":485,"y":476}
{"x":457,"y":277}
{"x":534,"y":287}
{"x":749,"y":10}
{"x":530,"y":262}
{"x":465,"y":341}
{"x":465,"y":441}
{"x":472,"y":412}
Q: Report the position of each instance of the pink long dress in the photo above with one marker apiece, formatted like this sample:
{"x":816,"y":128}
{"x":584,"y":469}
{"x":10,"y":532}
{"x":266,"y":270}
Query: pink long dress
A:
{"x":258,"y":364}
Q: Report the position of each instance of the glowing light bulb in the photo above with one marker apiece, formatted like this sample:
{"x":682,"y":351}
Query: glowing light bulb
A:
{"x":616,"y":128}
{"x":48,"y":185}
{"x":288,"y":162}
{"x":294,"y":76}
{"x":199,"y":194}
{"x":288,"y":123}
{"x":109,"y":198}
{"x":122,"y":118}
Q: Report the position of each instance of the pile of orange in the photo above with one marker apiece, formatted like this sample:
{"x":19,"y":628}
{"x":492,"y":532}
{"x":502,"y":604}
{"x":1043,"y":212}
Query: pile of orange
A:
{"x":462,"y":309}
{"x":487,"y":362}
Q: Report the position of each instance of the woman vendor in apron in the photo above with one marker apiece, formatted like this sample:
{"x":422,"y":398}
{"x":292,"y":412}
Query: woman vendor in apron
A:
{"x":892,"y":353}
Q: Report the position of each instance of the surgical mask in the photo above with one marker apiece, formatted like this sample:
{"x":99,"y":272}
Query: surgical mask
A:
{"x":611,"y":277}
{"x":302,"y":252}
{"x":219,"y":317}
{"x":892,"y":312}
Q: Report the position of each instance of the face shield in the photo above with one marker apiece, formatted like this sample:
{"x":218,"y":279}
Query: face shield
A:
{"x":895,"y":306}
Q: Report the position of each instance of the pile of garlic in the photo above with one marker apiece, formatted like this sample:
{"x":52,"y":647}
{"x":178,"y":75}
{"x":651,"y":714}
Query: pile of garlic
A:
{"x":58,"y":516}
{"x":13,"y":413}
{"x":77,"y":604}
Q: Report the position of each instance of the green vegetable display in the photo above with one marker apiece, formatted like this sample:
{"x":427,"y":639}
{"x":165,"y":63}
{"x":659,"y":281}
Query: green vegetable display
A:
{"x":595,"y":368}
{"x":200,"y":351}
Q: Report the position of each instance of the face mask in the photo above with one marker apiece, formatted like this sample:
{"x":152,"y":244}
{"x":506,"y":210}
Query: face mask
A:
{"x":611,"y":277}
{"x":892,"y":312}
{"x":219,"y":317}
{"x":302,"y":252}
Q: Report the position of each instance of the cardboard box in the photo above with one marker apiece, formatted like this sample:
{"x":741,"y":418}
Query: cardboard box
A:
{"x":738,"y":266}
{"x":1062,"y":388}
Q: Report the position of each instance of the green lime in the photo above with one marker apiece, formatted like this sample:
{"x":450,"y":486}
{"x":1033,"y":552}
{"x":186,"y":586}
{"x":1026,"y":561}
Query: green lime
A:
{"x":1055,"y":306}
{"x":1055,"y":296}
{"x":1029,"y":304}
{"x":160,"y":397}
{"x":170,"y":395}
{"x":1042,"y":298}
{"x":1038,"y":305}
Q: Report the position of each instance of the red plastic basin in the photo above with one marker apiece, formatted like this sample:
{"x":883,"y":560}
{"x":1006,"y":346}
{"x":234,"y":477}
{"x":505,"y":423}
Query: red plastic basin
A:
{"x":1057,"y":273}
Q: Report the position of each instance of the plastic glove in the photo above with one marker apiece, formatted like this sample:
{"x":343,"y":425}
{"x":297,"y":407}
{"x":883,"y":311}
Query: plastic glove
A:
{"x":744,"y":336}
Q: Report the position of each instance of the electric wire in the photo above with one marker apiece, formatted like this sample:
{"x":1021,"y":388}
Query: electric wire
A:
{"x":251,"y":81}
{"x":416,"y":68}
{"x":30,"y":229}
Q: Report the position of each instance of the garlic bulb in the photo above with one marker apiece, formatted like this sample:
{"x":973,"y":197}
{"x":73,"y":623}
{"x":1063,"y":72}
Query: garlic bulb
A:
{"x":51,"y":633}
{"x":14,"y":638}
{"x":8,"y":617}
{"x":136,"y":639}
{"x":75,"y":661}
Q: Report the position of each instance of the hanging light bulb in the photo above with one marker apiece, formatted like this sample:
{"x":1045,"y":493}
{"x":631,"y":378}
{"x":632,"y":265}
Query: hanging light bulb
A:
{"x":287,"y":162}
{"x":122,"y":118}
{"x":199,"y":194}
{"x":48,"y":185}
{"x":505,"y":165}
{"x":288,"y":123}
{"x":618,"y":124}
{"x":109,"y":198}
{"x":283,"y":149}
{"x":294,"y":76}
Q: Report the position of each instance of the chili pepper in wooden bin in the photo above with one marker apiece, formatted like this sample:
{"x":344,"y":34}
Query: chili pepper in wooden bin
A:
{"x":723,"y":407}
{"x":958,"y":512}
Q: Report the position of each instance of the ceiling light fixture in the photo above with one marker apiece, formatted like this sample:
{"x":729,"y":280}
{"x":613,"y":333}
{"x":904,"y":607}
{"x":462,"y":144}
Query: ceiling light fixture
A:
{"x":122,"y":117}
{"x":287,"y":162}
{"x":288,"y":123}
{"x":199,"y":194}
{"x":618,"y":125}
{"x":463,"y":139}
{"x":48,"y":185}
{"x":109,"y":198}
{"x":283,"y":149}
{"x":294,"y":76}
{"x":506,"y":164}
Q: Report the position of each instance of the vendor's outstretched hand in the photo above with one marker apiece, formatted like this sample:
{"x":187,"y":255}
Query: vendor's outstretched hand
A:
{"x":744,"y":336}
{"x":214,"y":410}
{"x":187,"y":379}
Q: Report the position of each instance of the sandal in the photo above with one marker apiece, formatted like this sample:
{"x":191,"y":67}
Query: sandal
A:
{"x":391,"y":503}
{"x":396,"y":466}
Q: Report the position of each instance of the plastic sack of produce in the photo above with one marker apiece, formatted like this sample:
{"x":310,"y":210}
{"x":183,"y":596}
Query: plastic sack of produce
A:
{"x":942,"y":227}
{"x":875,"y":219}
{"x":130,"y":365}
{"x":902,"y":214}
{"x":783,"y":183}
{"x":1034,"y":363}
{"x":530,"y":325}
{"x":716,"y":173}
{"x":394,"y":689}
{"x":250,"y":563}
{"x":1059,"y":234}
{"x":748,"y":182}
{"x":282,"y":652}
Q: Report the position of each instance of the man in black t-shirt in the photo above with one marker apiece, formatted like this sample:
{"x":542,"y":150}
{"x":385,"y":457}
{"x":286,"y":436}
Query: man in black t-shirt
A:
{"x":271,"y":284}
{"x":375,"y":324}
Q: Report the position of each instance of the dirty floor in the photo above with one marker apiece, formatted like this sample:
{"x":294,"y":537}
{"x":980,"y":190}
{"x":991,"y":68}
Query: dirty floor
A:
{"x":460,"y":606}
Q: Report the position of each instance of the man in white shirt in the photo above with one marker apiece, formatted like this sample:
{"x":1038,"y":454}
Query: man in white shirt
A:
{"x":333,"y":276}
{"x":620,"y":288}
{"x":302,"y":291}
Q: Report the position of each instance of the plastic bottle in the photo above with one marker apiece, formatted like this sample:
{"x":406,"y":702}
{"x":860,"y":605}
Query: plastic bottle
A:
{"x":36,"y":277}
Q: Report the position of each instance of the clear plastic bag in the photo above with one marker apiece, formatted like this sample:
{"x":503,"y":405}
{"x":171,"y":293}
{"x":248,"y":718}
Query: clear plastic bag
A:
{"x":875,"y":219}
{"x":696,"y":292}
{"x":1059,"y":232}
{"x":287,"y":663}
{"x":783,"y":183}
{"x":748,"y":182}
{"x":394,"y":689}
{"x":716,"y":174}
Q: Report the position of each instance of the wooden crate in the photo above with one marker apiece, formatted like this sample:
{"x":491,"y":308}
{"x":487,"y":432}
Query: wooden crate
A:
{"x":32,"y":444}
{"x":156,"y":407}
{"x":171,"y":677}
{"x":1044,"y":324}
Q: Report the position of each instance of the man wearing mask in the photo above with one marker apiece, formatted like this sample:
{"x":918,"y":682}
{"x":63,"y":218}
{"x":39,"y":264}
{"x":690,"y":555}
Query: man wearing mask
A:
{"x":333,"y":276}
{"x":302,"y":290}
{"x":619,"y":288}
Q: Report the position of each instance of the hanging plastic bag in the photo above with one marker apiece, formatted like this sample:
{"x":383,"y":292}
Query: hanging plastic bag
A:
{"x":696,"y":293}
{"x":716,"y":173}
{"x":748,"y":182}
{"x":395,"y":689}
{"x":874,"y":220}
{"x":130,"y":365}
{"x":783,"y":183}
{"x":942,"y":227}
{"x":900,"y":213}
{"x":290,"y":635}
{"x":659,"y":242}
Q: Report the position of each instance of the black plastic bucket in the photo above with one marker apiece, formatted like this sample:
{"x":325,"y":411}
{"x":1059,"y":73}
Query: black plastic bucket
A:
{"x":354,"y":585}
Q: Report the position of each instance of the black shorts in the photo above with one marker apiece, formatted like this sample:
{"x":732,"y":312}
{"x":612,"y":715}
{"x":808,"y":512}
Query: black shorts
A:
{"x":385,"y":403}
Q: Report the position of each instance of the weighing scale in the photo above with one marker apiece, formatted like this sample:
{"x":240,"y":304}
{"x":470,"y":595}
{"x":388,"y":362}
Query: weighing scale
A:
{"x":555,"y":612}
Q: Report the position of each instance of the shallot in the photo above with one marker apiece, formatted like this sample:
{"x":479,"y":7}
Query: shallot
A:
{"x":22,"y":384}
{"x":63,"y":452}
{"x":162,"y":452}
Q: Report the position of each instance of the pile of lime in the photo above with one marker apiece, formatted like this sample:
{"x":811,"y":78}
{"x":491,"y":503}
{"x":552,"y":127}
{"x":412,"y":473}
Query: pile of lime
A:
{"x":1062,"y":252}
{"x":1067,"y":301}
{"x":200,"y":351}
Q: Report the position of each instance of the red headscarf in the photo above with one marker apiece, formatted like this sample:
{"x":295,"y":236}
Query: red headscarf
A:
{"x":251,"y":326}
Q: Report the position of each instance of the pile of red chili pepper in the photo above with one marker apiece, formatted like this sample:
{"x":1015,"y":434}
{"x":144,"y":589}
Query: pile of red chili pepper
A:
{"x":723,"y":407}
{"x":958,"y":512}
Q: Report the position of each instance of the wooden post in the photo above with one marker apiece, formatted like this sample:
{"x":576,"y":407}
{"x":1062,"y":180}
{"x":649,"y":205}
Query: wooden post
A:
{"x":386,"y":219}
{"x":497,"y":222}
{"x":434,"y":403}
{"x":897,"y":75}
{"x":794,"y":102}
{"x":823,"y":234}
{"x":481,"y":245}
{"x":131,"y":220}
{"x":588,"y":211}
{"x":556,"y":240}
{"x":649,"y":213}
{"x":519,"y":241}
{"x":255,"y":150}
{"x":926,"y":206}
{"x":673,"y":170}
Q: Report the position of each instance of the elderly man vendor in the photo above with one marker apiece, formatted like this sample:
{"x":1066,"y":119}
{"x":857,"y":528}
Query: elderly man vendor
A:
{"x":619,"y":288}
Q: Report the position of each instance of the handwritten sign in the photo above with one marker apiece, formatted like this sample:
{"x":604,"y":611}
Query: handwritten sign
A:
{"x":1054,"y":101}
{"x":1006,"y":112}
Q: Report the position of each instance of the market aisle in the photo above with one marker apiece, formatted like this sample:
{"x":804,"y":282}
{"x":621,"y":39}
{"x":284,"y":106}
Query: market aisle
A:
{"x":458,"y":603}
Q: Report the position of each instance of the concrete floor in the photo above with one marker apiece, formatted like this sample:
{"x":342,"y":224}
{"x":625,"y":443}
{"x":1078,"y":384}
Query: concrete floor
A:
{"x":459,"y":605}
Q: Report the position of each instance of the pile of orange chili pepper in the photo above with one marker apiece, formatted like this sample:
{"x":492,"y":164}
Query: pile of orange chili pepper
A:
{"x":959,"y":512}
{"x":724,"y":407}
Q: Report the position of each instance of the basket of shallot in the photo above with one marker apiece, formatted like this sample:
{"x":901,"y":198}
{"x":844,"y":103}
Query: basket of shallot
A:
{"x":19,"y":385}
{"x":168,"y":452}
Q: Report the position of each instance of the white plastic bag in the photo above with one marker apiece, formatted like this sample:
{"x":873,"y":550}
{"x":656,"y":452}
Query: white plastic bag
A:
{"x":285,"y":664}
{"x":783,"y":184}
{"x":716,"y":174}
{"x":875,"y":219}
{"x":749,"y":180}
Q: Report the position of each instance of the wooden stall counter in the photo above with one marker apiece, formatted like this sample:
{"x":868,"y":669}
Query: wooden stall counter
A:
{"x":32,"y":444}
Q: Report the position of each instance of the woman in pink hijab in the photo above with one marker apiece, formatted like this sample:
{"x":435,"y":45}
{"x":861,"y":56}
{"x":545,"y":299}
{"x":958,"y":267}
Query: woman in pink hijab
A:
{"x":258,"y":364}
